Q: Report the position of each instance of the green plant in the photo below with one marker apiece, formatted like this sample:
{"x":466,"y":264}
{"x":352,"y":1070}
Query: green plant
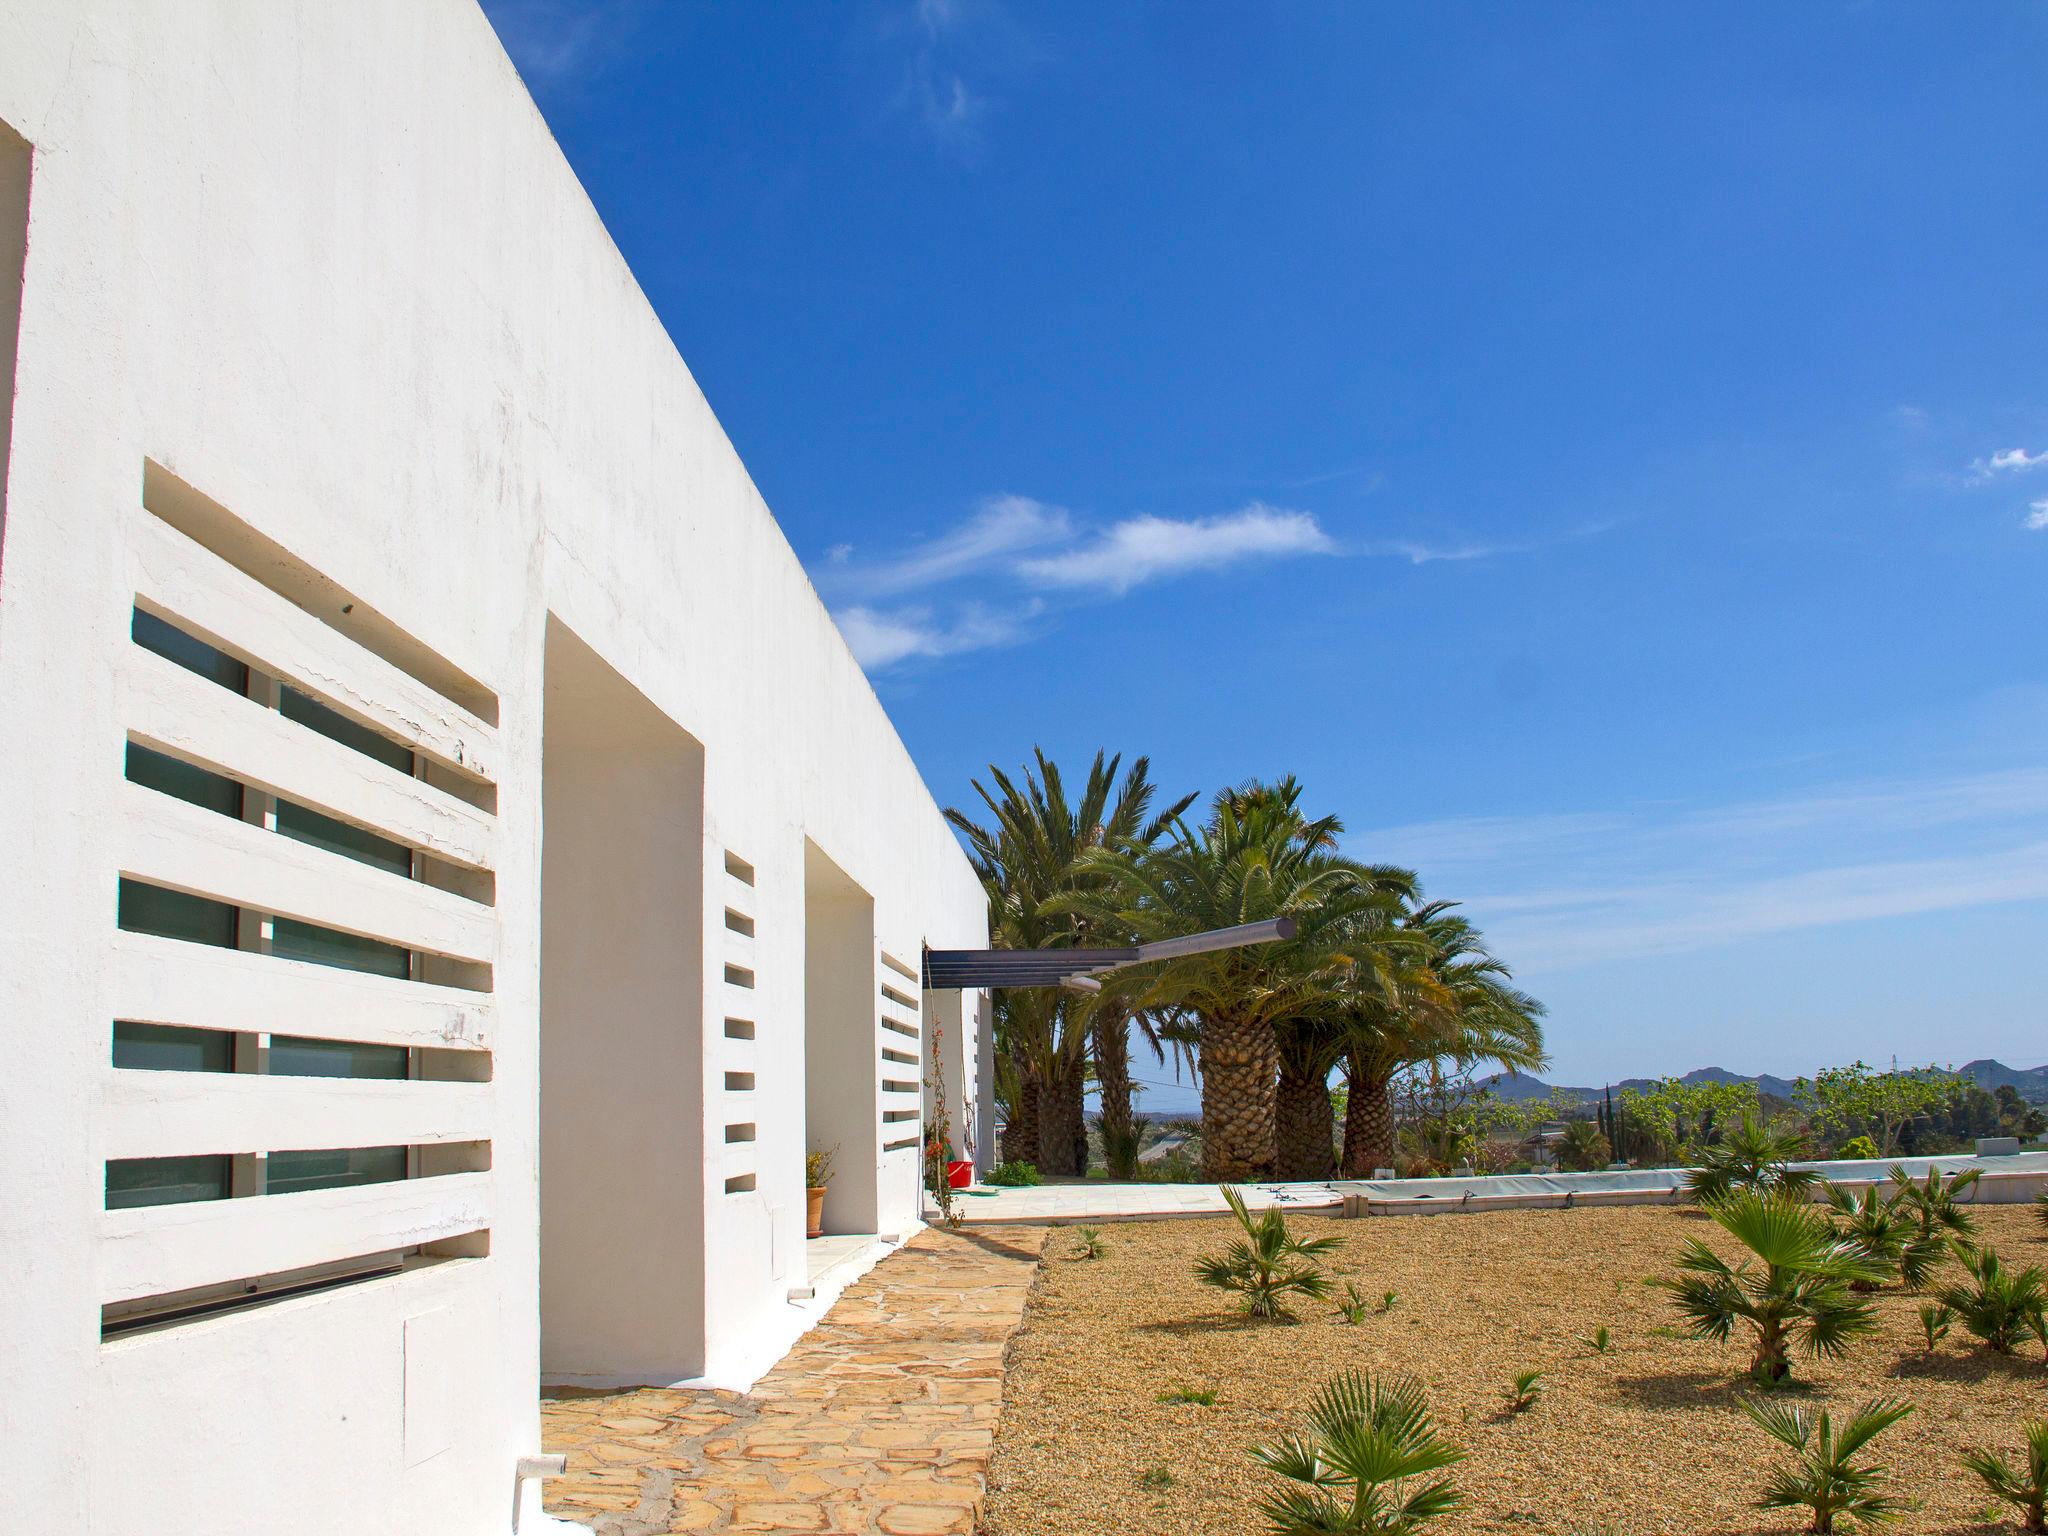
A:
{"x":1933,"y":1200}
{"x":1268,"y":1263}
{"x":1350,"y":1471}
{"x":2026,"y":1490}
{"x":1885,"y":1232}
{"x":1600,"y":1340}
{"x":1523,"y":1391}
{"x":1823,"y":1477}
{"x":1156,"y":1478}
{"x":1584,"y":1147}
{"x":1794,"y":1288}
{"x":1997,"y":1303}
{"x":1090,"y":1239}
{"x":1352,"y":1306}
{"x":1858,"y":1149}
{"x":1388,"y":1301}
{"x":1753,"y":1156}
{"x":2041,"y":1208}
{"x":1203,"y":1396}
{"x":1013,"y":1175}
{"x":818,"y":1166}
{"x":1934,"y":1323}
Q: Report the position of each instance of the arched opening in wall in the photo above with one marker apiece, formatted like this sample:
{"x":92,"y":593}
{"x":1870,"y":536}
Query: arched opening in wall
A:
{"x":842,"y":1059}
{"x":622,"y":1140}
{"x":15,"y":160}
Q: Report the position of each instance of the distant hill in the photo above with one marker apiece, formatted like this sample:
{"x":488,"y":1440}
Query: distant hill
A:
{"x":1518,"y":1087}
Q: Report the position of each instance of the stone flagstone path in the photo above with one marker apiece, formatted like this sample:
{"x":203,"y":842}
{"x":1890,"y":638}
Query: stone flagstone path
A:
{"x":878,"y":1423}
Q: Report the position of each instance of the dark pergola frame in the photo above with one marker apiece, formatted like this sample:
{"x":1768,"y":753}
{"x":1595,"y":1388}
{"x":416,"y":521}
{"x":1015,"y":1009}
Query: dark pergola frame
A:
{"x":1077,"y":969}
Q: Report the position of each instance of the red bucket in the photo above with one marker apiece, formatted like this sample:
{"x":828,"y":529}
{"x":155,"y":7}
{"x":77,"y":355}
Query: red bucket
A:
{"x":959,"y":1175}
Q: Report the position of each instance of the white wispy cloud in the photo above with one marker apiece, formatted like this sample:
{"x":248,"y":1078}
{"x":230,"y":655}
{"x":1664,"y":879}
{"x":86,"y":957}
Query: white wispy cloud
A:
{"x":1565,"y":890}
{"x":882,"y":640}
{"x":2037,"y":514}
{"x":947,"y":48}
{"x":2007,"y":461}
{"x":1422,"y":552}
{"x":1147,"y":548}
{"x":1000,"y":528}
{"x":1025,"y":546}
{"x":562,"y":42}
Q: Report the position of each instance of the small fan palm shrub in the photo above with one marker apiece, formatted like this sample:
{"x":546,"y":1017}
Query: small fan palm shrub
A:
{"x":1524,"y":1390}
{"x":1753,"y":1156}
{"x":1600,"y":1340}
{"x":2026,"y":1489}
{"x":1885,"y":1231}
{"x":1792,"y":1289}
{"x":1934,"y":1201}
{"x":1934,"y":1323}
{"x":1353,"y":1306}
{"x":1089,"y":1241}
{"x":1268,"y":1264}
{"x":1999,"y":1304}
{"x":1823,"y":1476}
{"x":1364,"y":1464}
{"x":2041,"y":1208}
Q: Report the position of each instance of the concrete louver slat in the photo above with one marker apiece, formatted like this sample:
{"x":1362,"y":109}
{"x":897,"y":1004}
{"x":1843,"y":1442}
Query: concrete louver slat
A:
{"x":167,"y":842}
{"x":187,"y":1114}
{"x":166,"y":707}
{"x":163,"y":981}
{"x":156,"y":1250}
{"x":188,"y":585}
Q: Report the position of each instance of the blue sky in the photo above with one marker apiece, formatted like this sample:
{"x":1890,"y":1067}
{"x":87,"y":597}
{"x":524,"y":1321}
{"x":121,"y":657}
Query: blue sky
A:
{"x":1602,"y":450}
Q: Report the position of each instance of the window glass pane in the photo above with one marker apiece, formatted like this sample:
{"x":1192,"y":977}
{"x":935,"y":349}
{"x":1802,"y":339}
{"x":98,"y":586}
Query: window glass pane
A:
{"x":169,"y":775}
{"x":174,"y":915}
{"x":294,"y":705}
{"x":165,"y":1180}
{"x":188,"y":651}
{"x":168,"y":1048}
{"x":325,"y":946}
{"x":295,"y":821}
{"x":291,"y":1171}
{"x":295,"y":1056}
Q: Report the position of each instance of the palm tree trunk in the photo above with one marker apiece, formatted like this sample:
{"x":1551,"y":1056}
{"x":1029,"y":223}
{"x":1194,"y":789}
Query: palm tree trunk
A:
{"x":1020,"y":1131}
{"x":1307,"y":1127}
{"x":1240,"y":1077}
{"x":1368,"y":1121}
{"x":1112,"y":1041}
{"x":1060,"y":1125}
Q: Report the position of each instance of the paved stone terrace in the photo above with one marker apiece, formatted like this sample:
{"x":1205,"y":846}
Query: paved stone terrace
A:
{"x":878,"y":1423}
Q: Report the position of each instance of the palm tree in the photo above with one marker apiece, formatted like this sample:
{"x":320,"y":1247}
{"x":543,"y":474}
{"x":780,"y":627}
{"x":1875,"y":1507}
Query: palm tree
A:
{"x":1350,"y":1470}
{"x":1437,"y":996}
{"x":1029,"y":859}
{"x":2026,"y":1490}
{"x":1825,"y":1478}
{"x":1585,"y":1147}
{"x":1753,"y":1156}
{"x":1268,"y":1263}
{"x":1256,"y":857}
{"x":1795,"y":1288}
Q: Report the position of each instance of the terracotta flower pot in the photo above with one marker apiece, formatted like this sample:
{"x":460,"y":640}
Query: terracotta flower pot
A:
{"x":814,"y":1212}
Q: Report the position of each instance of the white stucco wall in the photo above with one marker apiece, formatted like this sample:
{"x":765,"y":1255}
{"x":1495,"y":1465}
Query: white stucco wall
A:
{"x":325,"y":264}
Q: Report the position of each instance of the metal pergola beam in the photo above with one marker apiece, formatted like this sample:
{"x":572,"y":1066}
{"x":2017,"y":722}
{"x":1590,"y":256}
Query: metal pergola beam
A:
{"x":1078,"y":968}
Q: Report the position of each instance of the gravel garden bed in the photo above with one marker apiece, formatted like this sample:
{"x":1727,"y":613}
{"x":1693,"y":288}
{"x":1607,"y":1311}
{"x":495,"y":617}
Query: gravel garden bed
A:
{"x":1647,"y":1438}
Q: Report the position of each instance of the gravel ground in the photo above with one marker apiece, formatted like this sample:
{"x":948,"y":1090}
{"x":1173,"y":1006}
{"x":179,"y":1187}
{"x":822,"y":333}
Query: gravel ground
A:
{"x":1646,"y":1439}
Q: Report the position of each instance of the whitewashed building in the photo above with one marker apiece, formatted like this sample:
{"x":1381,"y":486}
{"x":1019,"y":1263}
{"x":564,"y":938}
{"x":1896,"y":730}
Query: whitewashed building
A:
{"x":454,"y":868}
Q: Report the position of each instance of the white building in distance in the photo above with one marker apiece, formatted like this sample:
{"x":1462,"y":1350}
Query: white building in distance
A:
{"x":454,"y":868}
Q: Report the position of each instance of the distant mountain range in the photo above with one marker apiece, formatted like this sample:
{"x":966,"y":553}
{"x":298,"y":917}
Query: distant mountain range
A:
{"x":2031,"y":1082}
